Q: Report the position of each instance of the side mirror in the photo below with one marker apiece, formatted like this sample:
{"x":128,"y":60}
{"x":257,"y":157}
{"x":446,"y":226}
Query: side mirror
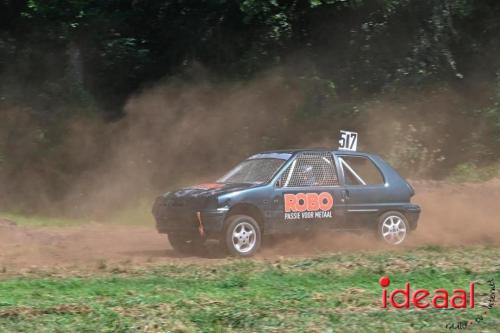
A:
{"x":279,"y":183}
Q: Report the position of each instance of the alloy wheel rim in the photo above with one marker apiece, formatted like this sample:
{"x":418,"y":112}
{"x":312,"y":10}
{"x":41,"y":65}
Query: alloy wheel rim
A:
{"x":393,"y":230}
{"x":244,"y":237}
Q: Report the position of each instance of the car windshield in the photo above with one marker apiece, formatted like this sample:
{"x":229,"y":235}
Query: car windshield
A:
{"x":255,"y":171}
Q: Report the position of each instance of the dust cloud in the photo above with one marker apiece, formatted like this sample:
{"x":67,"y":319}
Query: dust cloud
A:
{"x":458,"y":214}
{"x":181,"y":132}
{"x":176,"y":134}
{"x":453,"y":215}
{"x":172,"y":134}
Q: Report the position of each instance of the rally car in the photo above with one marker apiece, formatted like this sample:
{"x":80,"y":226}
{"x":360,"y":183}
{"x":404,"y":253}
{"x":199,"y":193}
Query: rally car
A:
{"x":284,"y":192}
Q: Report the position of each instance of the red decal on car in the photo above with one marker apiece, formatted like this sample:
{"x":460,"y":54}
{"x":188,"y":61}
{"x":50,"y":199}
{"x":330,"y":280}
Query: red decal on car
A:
{"x":208,"y":186}
{"x":311,"y":202}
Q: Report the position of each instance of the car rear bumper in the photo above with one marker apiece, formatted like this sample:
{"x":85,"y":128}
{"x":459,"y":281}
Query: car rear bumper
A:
{"x":189,"y":220}
{"x":412,"y":213}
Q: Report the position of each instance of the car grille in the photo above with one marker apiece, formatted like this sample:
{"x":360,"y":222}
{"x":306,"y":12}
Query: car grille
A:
{"x":176,"y":214}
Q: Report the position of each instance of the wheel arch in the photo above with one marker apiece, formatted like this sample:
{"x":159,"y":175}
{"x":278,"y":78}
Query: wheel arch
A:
{"x":409,"y":219}
{"x":246,"y":209}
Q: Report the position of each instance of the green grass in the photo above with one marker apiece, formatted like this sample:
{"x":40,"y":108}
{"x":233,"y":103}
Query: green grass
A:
{"x":138,"y":213}
{"x":35,"y":220}
{"x":333,"y":293}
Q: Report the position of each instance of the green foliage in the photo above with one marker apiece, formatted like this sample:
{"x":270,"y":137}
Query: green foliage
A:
{"x":410,"y":154}
{"x":77,"y":59}
{"x":319,"y":96}
{"x":363,"y":46}
{"x":492,"y":114}
{"x":471,"y":173}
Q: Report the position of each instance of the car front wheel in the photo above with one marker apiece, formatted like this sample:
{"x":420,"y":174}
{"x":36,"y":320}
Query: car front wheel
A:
{"x":242,"y":236}
{"x":393,"y":227}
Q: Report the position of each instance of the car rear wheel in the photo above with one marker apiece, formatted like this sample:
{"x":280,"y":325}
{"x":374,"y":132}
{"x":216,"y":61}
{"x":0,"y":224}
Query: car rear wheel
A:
{"x":393,"y":228}
{"x":242,"y":236}
{"x":185,"y":243}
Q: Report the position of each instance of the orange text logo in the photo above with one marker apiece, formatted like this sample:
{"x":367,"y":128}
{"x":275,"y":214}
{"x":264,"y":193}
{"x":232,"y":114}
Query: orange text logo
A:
{"x":301,"y":202}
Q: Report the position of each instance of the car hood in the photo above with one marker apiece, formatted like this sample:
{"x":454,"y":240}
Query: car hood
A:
{"x":210,"y":189}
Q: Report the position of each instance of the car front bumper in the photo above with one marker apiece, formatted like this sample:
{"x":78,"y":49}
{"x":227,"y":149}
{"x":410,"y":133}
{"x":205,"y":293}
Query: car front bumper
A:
{"x":187,"y":219}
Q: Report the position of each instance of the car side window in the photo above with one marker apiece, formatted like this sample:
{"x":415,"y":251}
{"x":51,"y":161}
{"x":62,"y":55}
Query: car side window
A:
{"x":310,"y":169}
{"x":359,"y":170}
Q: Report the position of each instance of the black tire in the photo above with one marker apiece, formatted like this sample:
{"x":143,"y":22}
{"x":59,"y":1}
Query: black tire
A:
{"x":393,"y":228}
{"x":250,"y":236}
{"x":185,"y":244}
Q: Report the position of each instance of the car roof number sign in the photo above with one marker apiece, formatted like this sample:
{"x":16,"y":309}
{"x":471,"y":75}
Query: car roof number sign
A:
{"x":348,"y":140}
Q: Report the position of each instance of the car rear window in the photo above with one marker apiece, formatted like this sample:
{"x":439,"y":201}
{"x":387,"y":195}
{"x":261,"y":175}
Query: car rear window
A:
{"x":359,"y":170}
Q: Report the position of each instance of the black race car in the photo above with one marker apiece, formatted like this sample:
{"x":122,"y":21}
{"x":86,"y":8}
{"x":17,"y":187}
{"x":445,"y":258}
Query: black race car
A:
{"x":283,"y":192}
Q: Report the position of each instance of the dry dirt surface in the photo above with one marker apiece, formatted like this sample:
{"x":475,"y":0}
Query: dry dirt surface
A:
{"x":452,"y":215}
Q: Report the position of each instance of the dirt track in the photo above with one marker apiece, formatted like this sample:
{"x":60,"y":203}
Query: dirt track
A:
{"x":452,"y":215}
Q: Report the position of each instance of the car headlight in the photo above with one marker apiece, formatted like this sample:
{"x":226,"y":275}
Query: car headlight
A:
{"x":223,"y":204}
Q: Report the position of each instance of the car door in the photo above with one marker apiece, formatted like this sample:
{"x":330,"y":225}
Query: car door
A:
{"x":308,"y":194}
{"x":365,"y":190}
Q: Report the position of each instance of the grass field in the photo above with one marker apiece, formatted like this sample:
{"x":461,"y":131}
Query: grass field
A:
{"x":133,"y":214}
{"x":329,"y":293}
{"x":26,"y":220}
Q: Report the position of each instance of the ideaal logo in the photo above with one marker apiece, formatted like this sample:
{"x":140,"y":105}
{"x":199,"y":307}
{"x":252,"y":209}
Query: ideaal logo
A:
{"x":308,"y":205}
{"x":439,"y":299}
